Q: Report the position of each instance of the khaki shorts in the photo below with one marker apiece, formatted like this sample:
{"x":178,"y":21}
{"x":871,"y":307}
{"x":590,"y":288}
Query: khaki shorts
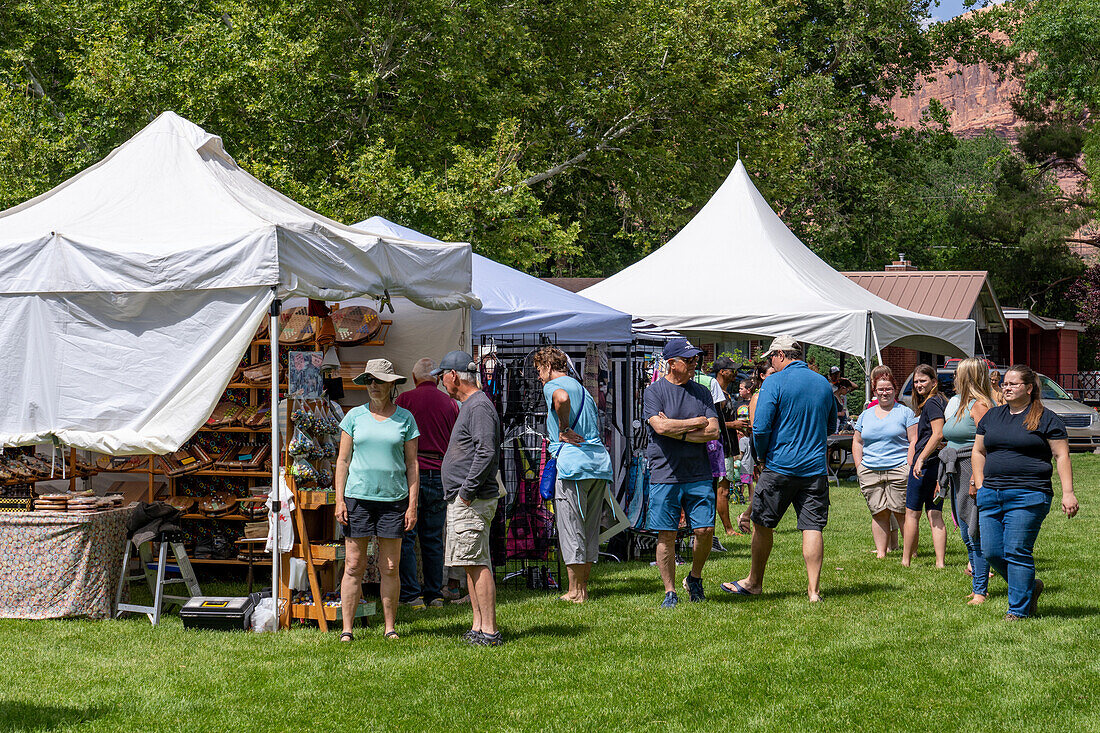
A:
{"x":468,"y":532}
{"x":884,"y":490}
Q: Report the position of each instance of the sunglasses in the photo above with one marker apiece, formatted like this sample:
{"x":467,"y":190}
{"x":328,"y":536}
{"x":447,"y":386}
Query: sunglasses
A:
{"x":371,"y":380}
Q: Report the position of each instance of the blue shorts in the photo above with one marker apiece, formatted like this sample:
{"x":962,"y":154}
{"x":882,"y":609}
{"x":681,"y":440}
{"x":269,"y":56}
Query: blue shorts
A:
{"x":919,"y":491}
{"x":697,"y":499}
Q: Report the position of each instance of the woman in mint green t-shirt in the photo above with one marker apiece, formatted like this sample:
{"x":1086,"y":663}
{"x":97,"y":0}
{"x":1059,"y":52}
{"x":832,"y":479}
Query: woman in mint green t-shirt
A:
{"x":377,"y":488}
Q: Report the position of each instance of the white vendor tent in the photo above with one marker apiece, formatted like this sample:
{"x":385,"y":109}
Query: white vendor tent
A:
{"x":515,"y":302}
{"x":131,"y":291}
{"x":737,"y":270}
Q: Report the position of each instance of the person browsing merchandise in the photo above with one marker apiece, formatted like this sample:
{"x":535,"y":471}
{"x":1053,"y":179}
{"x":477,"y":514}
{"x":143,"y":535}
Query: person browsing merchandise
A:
{"x":680,"y":420}
{"x":584,"y":468}
{"x":469,"y":486}
{"x":377,"y":483}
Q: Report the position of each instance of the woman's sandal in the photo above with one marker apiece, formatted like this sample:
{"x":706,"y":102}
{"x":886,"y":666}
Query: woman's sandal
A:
{"x":391,"y":635}
{"x":347,"y":636}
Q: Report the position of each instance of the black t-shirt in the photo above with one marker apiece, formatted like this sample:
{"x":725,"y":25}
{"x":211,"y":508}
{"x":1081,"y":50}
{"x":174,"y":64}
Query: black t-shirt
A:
{"x":672,"y":460}
{"x":1015,"y":457}
{"x":932,"y":410}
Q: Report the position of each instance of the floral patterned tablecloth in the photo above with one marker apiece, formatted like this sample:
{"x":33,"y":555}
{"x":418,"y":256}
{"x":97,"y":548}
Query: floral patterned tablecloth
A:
{"x":59,"y":564}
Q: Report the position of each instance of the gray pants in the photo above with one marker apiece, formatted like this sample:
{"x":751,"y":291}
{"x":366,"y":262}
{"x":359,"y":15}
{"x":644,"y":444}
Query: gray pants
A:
{"x":578,"y":509}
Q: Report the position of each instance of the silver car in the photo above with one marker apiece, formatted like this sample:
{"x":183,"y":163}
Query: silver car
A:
{"x":1082,"y":422}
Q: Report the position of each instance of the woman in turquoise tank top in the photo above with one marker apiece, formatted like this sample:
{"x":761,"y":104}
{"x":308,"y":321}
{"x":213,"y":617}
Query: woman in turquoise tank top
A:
{"x":973,"y":398}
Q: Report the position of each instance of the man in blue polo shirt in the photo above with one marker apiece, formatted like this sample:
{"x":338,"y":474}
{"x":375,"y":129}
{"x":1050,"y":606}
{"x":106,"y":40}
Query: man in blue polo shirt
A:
{"x":794,"y":414}
{"x":680,"y":419}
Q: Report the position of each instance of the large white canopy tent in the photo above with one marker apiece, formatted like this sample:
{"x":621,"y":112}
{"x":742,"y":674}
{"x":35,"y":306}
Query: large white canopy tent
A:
{"x":736,"y":270}
{"x":131,"y":291}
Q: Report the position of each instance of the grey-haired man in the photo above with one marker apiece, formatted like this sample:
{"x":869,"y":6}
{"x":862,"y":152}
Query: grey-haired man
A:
{"x":470,"y":489}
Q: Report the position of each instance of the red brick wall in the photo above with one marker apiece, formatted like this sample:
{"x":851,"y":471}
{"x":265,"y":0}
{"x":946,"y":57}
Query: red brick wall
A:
{"x":901,"y":361}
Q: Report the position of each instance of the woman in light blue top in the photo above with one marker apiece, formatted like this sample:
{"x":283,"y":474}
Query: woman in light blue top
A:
{"x":882,"y":449}
{"x":584,"y":468}
{"x":377,"y":489}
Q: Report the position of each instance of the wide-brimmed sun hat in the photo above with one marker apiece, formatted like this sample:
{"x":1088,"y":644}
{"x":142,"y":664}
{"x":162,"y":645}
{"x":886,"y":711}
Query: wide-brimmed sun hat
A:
{"x":379,"y":370}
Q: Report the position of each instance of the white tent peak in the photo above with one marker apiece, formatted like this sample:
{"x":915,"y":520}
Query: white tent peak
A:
{"x":736,"y":270}
{"x":170,"y":209}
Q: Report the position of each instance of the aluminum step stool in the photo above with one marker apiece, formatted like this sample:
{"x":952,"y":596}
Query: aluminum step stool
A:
{"x":157,"y":582}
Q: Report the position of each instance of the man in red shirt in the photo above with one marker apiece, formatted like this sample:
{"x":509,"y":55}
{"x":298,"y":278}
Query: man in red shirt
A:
{"x":435,"y":415}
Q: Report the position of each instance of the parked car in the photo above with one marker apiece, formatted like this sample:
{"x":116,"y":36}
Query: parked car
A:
{"x":1082,"y":422}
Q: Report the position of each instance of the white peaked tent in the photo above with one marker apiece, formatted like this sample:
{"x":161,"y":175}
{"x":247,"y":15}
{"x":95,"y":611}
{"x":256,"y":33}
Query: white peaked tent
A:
{"x":130,"y":292}
{"x":737,"y":270}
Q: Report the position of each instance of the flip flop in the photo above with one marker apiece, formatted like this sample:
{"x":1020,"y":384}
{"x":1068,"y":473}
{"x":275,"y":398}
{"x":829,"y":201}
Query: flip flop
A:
{"x":734,"y":588}
{"x":347,"y":636}
{"x":391,"y":635}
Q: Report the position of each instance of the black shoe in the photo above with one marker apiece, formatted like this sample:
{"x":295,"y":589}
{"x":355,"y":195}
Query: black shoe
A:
{"x":694,"y":588}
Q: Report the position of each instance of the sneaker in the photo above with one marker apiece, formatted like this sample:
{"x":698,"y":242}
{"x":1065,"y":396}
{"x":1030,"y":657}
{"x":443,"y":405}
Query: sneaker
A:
{"x":483,"y":639}
{"x":470,"y":635}
{"x":417,"y":603}
{"x":716,"y":546}
{"x":694,"y":587}
{"x":435,"y":603}
{"x":670,"y":600}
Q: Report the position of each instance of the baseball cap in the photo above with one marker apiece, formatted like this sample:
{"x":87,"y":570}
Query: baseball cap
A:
{"x":680,"y":348}
{"x":781,"y":343}
{"x":460,"y":361}
{"x":834,"y":370}
{"x":724,"y":362}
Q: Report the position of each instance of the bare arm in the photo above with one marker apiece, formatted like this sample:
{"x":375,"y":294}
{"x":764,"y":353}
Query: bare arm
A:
{"x":1060,"y":449}
{"x":343,"y":464}
{"x":564,"y":410}
{"x":857,"y":448}
{"x":412,"y":476}
{"x":911,"y":433}
{"x":977,"y":464}
{"x":704,"y":435}
{"x":668,"y":427}
{"x":929,"y":447}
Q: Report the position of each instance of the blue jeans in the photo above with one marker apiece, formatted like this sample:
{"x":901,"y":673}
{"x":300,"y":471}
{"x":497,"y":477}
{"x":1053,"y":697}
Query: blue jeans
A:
{"x":431,"y":516}
{"x":1009,"y":521}
{"x":978,"y":564}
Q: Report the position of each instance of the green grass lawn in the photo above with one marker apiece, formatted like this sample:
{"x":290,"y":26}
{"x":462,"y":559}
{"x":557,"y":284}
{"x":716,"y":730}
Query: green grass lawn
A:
{"x":888,"y":649}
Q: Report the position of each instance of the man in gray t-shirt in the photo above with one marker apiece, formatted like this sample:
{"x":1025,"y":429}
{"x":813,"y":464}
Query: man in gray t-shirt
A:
{"x":469,"y":486}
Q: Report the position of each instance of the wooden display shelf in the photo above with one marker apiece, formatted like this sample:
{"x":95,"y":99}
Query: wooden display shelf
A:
{"x":313,"y":612}
{"x":321,"y":553}
{"x":379,"y":340}
{"x":315,"y":499}
{"x":212,"y":561}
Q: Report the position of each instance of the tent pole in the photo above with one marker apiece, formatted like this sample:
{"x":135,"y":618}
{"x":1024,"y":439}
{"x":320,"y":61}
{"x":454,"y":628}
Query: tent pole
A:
{"x":276,"y":484}
{"x":867,"y":361}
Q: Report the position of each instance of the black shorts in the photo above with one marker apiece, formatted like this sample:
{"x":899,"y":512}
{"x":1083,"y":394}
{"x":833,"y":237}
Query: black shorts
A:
{"x":775,"y":492}
{"x":385,"y":519}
